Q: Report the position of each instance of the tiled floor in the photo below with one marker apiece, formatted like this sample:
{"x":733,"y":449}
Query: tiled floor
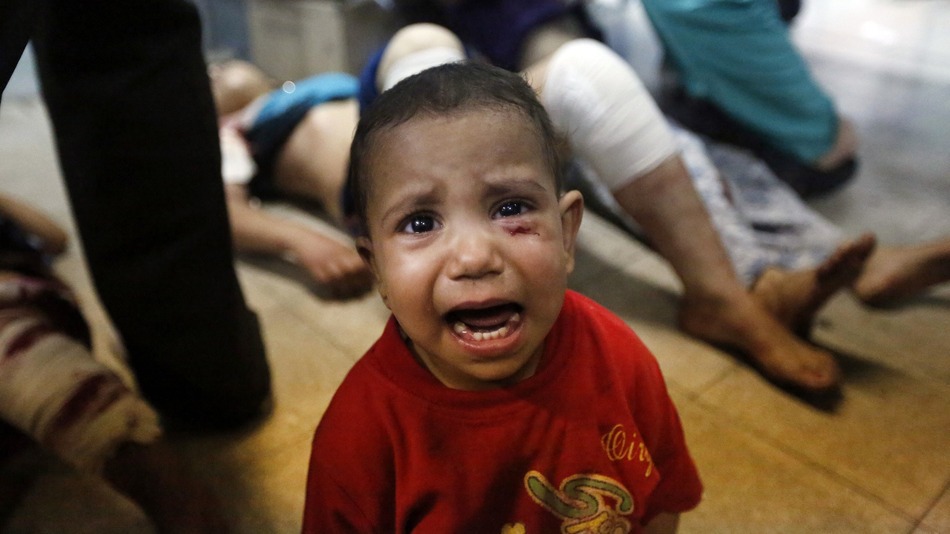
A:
{"x":879,"y":463}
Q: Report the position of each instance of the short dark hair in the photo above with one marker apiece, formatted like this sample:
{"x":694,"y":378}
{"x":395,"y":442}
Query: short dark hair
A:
{"x":444,"y":90}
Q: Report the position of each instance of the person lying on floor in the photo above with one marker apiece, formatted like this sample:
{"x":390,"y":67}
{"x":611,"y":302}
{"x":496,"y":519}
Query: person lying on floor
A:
{"x":288,"y":142}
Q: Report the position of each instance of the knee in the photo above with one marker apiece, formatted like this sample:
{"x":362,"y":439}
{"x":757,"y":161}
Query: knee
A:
{"x":414,"y":39}
{"x":608,"y":115}
{"x":588,"y":54}
{"x":584,"y":74}
{"x":417,"y":37}
{"x":235,"y":83}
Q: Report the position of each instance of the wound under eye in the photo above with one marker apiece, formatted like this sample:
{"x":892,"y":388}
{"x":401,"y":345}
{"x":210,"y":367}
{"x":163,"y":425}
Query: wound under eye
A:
{"x":521,"y":230}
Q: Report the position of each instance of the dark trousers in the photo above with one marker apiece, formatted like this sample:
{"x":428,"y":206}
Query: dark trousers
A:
{"x":126,"y":87}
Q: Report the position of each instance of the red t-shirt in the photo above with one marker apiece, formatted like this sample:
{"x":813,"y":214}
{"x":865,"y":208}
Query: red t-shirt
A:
{"x":591,"y":438}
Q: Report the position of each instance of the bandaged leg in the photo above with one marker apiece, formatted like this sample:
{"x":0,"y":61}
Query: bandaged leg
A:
{"x":52,"y":389}
{"x":608,"y":116}
{"x":414,"y":49}
{"x":613,"y":124}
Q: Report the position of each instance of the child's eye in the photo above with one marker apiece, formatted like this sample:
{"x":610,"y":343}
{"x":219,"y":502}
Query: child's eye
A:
{"x":419,"y":224}
{"x":511,"y":208}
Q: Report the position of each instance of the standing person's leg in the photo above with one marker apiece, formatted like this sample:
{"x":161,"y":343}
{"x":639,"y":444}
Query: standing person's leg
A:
{"x":128,"y":94}
{"x":17,"y":18}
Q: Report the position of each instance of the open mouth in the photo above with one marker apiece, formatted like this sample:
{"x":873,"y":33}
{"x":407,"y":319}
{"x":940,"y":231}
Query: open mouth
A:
{"x":494,"y":322}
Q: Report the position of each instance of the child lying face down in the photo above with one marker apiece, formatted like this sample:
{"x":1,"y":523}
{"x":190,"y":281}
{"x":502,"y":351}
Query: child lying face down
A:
{"x":496,"y":400}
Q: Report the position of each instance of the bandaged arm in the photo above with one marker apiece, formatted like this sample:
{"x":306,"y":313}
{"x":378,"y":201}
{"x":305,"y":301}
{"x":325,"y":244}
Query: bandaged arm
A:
{"x":52,"y":389}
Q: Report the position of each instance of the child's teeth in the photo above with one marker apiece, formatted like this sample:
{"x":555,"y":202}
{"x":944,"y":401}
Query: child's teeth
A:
{"x":481,"y":336}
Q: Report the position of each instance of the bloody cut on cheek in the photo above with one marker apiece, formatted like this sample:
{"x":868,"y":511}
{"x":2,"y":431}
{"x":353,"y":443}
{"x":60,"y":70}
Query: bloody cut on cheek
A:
{"x":494,"y":322}
{"x":516,"y":230}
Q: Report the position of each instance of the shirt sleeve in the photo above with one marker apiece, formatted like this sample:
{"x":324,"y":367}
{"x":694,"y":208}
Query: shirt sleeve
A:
{"x":350,"y":481}
{"x":328,"y":506}
{"x":680,"y":488}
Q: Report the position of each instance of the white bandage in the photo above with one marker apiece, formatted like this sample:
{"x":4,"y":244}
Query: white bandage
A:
{"x":608,"y":116}
{"x":237,"y":164}
{"x":52,"y":389}
{"x":416,"y":62}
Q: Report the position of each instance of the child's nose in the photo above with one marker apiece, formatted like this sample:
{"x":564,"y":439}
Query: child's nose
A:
{"x":474,"y":253}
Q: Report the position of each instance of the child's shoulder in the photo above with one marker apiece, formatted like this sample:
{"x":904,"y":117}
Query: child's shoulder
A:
{"x":371,"y":381}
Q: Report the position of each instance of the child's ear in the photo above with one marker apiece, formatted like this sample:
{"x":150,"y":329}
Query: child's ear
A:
{"x":571,"y":206}
{"x":364,"y":246}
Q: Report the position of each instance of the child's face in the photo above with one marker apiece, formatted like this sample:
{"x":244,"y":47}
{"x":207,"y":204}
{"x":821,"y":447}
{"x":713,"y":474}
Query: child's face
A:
{"x":469,"y":243}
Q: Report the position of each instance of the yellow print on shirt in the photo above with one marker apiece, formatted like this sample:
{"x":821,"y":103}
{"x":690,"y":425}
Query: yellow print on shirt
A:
{"x":586,"y":503}
{"x":619,"y":447}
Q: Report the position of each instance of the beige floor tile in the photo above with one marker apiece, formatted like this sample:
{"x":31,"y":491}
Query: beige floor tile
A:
{"x":25,"y":131}
{"x":888,"y":437}
{"x":938,"y":518}
{"x":685,"y":361}
{"x":351,"y":325}
{"x":305,"y":371}
{"x":753,"y":486}
{"x":264,"y":493}
{"x":60,"y":501}
{"x":912,"y":338}
{"x":603,"y":243}
{"x":925,"y":529}
{"x":633,"y":282}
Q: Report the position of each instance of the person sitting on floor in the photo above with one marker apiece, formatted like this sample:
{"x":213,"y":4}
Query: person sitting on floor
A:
{"x":741,"y":80}
{"x":604,"y":136}
{"x":610,"y":121}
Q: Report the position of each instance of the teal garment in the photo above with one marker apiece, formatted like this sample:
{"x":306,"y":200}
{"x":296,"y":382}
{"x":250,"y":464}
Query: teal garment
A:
{"x":738,"y":55}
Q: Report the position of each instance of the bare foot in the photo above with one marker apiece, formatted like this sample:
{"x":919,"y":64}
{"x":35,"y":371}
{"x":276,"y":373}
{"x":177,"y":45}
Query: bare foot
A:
{"x":153,"y":477}
{"x":334,"y":265}
{"x":794,"y":297}
{"x":741,"y":323}
{"x":895,"y":273}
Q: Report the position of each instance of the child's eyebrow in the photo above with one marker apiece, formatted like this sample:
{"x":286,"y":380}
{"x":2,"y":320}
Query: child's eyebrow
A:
{"x":506,"y":185}
{"x":412,"y":197}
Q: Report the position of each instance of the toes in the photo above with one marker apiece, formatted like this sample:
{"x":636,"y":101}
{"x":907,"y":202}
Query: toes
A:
{"x":814,"y":371}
